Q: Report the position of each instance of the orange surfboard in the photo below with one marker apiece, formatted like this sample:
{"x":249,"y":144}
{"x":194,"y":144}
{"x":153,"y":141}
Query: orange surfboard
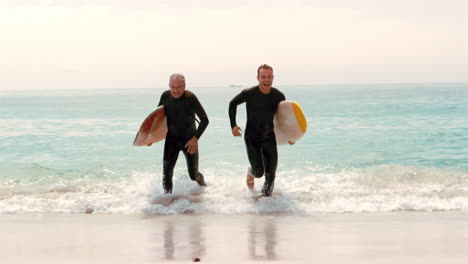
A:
{"x":153,"y":128}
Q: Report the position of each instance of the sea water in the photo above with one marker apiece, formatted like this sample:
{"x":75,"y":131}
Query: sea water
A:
{"x":368,"y":148}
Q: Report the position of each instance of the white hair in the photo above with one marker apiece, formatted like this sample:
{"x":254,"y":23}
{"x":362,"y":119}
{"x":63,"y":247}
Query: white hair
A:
{"x":179,"y":76}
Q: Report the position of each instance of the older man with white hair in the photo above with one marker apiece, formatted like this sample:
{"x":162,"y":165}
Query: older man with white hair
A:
{"x":181,"y":106}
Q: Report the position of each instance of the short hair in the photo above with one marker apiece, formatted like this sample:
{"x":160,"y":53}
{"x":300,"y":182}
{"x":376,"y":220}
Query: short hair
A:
{"x":177,"y":76}
{"x":264,"y":66}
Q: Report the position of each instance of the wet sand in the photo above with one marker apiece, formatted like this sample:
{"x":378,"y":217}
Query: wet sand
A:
{"x":402,"y":237}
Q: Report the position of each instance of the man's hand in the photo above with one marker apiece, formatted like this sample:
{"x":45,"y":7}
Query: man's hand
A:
{"x":192,"y":145}
{"x":291,"y":143}
{"x":236,"y":131}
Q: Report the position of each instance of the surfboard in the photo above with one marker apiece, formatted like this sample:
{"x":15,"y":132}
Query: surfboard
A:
{"x":290,"y":122}
{"x":153,"y":128}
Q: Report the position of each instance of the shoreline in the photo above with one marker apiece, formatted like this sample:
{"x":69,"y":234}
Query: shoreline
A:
{"x":398,"y":237}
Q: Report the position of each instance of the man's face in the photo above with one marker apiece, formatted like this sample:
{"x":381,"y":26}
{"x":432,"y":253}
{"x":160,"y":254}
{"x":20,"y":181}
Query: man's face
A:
{"x":177,"y":87}
{"x":265,"y":79}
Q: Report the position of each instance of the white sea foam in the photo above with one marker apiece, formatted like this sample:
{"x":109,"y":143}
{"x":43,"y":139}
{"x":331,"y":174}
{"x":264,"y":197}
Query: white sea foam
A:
{"x":300,"y":191}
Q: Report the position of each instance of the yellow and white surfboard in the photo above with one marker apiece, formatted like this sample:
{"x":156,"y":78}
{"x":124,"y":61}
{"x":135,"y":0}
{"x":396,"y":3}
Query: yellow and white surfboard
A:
{"x":290,"y":122}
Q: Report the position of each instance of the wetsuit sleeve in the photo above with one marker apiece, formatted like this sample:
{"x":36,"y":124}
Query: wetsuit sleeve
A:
{"x":239,"y":99}
{"x":162,"y":99}
{"x":198,"y":109}
{"x":282,"y":97}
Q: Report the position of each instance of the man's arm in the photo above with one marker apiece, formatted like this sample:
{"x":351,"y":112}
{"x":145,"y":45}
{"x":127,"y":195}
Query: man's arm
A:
{"x":162,"y":100}
{"x":192,"y":144}
{"x":237,"y":100}
{"x":281,"y":97}
{"x":200,"y":111}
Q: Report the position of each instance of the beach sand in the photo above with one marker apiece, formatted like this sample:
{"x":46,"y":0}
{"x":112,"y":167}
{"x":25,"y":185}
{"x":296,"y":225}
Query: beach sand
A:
{"x":400,"y":237}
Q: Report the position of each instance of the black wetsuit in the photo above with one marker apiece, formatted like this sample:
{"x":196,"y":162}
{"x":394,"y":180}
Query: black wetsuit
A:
{"x":181,"y":128}
{"x":259,"y":135}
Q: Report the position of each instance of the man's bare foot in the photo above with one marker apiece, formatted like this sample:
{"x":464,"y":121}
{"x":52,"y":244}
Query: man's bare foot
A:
{"x":250,"y":180}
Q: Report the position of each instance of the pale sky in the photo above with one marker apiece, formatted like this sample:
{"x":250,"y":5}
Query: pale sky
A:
{"x":88,"y":44}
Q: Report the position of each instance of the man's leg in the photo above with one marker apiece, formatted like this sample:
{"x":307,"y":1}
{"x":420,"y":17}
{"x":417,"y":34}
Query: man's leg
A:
{"x":171,"y":153}
{"x":256,"y":169}
{"x":192,"y":167}
{"x":270,"y":161}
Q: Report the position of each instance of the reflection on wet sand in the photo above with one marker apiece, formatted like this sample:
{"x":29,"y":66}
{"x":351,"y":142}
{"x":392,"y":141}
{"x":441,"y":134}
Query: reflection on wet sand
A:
{"x":169,"y":241}
{"x":262,"y":235}
{"x":180,"y":243}
{"x":197,"y":241}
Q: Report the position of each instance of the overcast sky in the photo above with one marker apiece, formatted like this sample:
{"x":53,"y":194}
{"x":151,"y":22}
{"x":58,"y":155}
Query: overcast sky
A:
{"x":74,"y":44}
